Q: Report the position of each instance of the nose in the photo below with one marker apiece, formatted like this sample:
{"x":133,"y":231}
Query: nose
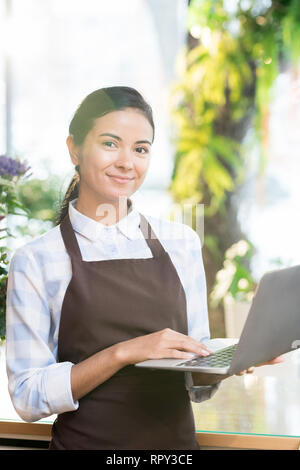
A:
{"x":125,"y":161}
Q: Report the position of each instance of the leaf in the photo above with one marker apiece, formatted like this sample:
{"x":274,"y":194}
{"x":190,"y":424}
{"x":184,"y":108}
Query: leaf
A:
{"x":216,"y":176}
{"x":7,"y":183}
{"x":227,"y":149}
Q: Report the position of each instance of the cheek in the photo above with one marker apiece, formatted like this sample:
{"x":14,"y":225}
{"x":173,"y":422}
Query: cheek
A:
{"x":142,"y":167}
{"x":95,"y":156}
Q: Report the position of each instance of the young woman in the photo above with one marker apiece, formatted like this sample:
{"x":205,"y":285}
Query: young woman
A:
{"x":106,"y":288}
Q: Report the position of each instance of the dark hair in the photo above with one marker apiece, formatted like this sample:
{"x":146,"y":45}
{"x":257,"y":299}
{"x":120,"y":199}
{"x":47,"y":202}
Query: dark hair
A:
{"x":97,"y":104}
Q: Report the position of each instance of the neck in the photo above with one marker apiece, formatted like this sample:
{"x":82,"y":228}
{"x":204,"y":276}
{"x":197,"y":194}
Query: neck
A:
{"x":105,"y":212}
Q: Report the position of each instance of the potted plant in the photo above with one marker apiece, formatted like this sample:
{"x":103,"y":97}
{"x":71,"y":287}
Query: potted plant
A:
{"x":11,"y":172}
{"x":235,"y":287}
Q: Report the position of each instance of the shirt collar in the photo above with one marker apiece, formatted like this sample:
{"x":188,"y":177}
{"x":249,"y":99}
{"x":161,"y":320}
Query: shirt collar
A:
{"x":93,"y":230}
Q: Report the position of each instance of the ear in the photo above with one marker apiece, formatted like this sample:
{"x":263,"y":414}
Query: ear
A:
{"x":73,"y":150}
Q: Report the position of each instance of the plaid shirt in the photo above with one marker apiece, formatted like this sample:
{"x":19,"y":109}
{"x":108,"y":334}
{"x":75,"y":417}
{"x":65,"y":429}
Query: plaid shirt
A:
{"x":39,"y":274}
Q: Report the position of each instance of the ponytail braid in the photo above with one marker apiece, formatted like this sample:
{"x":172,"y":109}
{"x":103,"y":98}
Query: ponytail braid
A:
{"x":71,"y":193}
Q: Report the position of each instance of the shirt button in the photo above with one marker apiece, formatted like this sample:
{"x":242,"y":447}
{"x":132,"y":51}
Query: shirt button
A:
{"x":112,"y":253}
{"x":106,"y":234}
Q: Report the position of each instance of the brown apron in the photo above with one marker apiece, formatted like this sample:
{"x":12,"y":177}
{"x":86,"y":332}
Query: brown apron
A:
{"x":107,"y":302}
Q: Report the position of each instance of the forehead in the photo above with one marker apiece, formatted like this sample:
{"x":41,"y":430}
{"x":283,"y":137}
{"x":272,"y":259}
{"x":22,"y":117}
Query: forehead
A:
{"x":127,"y":121}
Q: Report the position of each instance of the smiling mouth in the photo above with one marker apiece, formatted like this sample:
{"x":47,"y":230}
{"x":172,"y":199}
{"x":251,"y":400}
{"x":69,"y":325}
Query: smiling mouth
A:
{"x":120,"y":179}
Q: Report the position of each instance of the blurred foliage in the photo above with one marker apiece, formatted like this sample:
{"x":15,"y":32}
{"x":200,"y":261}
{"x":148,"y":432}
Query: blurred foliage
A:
{"x":36,"y":201}
{"x":235,"y":279}
{"x":12,"y":173}
{"x":235,"y":51}
{"x":40,"y":197}
{"x":3,"y":286}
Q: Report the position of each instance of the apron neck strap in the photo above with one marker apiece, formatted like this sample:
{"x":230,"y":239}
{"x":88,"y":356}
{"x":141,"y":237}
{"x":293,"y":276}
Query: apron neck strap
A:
{"x":70,"y":239}
{"x":73,"y":249}
{"x":151,"y":238}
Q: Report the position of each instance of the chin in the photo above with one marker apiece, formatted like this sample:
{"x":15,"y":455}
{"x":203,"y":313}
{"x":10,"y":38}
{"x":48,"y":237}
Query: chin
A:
{"x":115,"y":197}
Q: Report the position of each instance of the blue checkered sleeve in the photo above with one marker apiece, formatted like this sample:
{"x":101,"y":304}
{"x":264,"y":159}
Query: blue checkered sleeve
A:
{"x":37,"y":384}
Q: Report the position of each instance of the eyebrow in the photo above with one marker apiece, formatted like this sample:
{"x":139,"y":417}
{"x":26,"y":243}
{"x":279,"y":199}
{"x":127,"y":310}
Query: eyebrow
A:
{"x":119,"y":138}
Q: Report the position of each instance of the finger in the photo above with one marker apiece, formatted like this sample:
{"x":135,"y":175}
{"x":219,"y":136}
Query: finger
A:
{"x":203,"y":346}
{"x":183,"y":342}
{"x":194,"y":347}
{"x":177,"y":354}
{"x":207,"y":349}
{"x":203,"y":349}
{"x":275,"y":360}
{"x":278,"y":359}
{"x":242,"y":372}
{"x":193,"y":341}
{"x":250,"y":370}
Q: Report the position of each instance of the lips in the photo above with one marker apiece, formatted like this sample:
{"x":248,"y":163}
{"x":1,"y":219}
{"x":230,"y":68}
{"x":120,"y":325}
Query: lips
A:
{"x":120,"y":179}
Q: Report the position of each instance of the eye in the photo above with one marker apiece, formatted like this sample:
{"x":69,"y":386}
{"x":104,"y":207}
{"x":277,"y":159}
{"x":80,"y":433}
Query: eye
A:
{"x":143,"y":148}
{"x":108,"y":142}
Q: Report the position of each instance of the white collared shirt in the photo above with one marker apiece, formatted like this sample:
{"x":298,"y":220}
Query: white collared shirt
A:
{"x":39,"y":274}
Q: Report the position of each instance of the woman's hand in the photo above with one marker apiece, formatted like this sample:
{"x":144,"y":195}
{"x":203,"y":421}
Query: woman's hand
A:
{"x":166,"y":343}
{"x":275,"y":360}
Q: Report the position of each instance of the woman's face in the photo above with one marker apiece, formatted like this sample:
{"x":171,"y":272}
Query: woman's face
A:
{"x":115,"y":155}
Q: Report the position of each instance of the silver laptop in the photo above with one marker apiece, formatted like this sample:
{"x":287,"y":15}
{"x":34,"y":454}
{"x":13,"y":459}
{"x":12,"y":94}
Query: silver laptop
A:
{"x":272,"y":328}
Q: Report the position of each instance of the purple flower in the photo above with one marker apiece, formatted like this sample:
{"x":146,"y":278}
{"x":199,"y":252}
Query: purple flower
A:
{"x":12,"y":167}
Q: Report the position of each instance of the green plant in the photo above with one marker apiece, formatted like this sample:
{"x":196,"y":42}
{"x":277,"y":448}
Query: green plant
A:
{"x":226,"y":74}
{"x":40,"y":197}
{"x":3,"y":287}
{"x":11,"y":173}
{"x":235,"y":278}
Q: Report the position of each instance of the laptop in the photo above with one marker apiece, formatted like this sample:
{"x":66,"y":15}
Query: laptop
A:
{"x":272,"y":328}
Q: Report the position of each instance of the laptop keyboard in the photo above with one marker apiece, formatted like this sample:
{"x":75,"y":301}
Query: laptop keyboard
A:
{"x":221,"y":358}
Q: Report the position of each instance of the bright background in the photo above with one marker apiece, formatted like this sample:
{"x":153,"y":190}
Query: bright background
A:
{"x":55,"y":52}
{"x":59,"y":51}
